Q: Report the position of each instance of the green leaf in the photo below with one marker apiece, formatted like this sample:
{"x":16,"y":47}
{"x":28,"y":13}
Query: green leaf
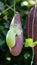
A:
{"x":1,"y":42}
{"x":35,"y":43}
{"x":1,"y":27}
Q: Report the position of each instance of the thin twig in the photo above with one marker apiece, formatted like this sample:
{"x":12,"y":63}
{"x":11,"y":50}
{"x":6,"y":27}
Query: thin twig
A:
{"x":10,"y":7}
{"x":14,"y":6}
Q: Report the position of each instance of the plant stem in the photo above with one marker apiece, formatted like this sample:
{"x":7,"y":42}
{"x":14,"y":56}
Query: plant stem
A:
{"x":32,"y":56}
{"x":14,"y":7}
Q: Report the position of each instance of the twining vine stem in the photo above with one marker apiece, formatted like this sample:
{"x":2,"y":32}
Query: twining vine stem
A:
{"x":14,"y":7}
{"x":9,"y":7}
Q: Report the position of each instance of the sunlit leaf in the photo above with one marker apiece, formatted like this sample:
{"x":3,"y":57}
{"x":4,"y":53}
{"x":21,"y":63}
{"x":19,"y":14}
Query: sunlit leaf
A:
{"x":32,"y":2}
{"x":25,"y":3}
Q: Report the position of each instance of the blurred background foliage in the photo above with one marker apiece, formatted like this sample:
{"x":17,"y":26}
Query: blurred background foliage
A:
{"x":6,"y":15}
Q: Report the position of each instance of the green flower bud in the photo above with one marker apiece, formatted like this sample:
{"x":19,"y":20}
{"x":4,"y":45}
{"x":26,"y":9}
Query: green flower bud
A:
{"x":29,"y":42}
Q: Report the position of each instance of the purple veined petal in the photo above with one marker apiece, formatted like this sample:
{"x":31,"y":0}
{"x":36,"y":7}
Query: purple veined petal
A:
{"x":15,"y":51}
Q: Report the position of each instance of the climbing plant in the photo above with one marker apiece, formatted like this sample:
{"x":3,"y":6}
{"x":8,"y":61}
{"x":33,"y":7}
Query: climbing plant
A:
{"x":6,"y":15}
